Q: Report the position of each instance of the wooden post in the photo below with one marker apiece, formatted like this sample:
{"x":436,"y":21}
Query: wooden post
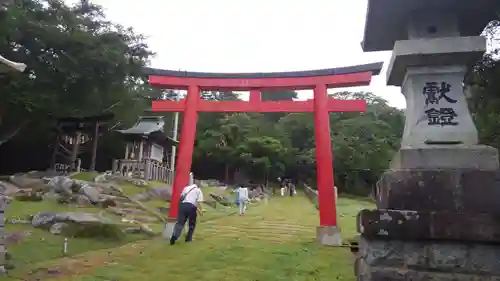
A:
{"x":94,"y":146}
{"x":141,"y":151}
{"x":55,"y":151}
{"x":74,"y":151}
{"x":126,"y":151}
{"x":147,"y":168}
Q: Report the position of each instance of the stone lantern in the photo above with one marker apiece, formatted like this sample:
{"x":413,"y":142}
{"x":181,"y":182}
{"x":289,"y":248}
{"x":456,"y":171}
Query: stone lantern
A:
{"x":438,"y":204}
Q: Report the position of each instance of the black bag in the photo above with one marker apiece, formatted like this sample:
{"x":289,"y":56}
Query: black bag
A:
{"x":183,"y":196}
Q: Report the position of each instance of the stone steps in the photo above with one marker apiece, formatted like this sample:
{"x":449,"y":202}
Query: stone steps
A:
{"x":274,"y":225}
{"x":284,"y":231}
{"x":244,"y":236}
{"x":264,"y":234}
{"x":253,"y":228}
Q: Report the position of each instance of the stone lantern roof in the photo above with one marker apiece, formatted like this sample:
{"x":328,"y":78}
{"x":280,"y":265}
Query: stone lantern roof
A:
{"x":8,"y":66}
{"x":387,"y":20}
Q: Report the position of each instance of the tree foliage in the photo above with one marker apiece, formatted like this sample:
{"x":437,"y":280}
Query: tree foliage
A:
{"x":78,"y":64}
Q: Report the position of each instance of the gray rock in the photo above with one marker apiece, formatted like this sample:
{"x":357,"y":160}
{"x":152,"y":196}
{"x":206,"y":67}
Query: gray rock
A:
{"x":102,"y":178}
{"x":77,"y":217}
{"x":221,"y":199}
{"x":82,"y":200}
{"x":132,"y":230}
{"x":90,"y":192}
{"x":62,"y":185}
{"x":48,"y":218}
{"x":57,"y":228}
{"x":43,"y":218}
{"x":160,"y":193}
{"x":51,"y":195}
{"x":7,"y":188}
{"x":23,"y":181}
{"x":4,"y":200}
{"x":140,"y":183}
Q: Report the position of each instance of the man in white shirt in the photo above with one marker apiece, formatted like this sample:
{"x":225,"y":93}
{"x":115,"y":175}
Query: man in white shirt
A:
{"x":243,"y":199}
{"x":189,"y":208}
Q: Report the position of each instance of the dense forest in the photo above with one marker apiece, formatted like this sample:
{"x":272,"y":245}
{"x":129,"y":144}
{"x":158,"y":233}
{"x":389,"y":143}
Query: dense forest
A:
{"x":81,"y":64}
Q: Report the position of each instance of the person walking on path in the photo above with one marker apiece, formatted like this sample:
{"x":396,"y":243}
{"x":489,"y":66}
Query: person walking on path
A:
{"x":243,"y":199}
{"x":237,"y":196}
{"x":189,"y":208}
{"x":291,"y":186}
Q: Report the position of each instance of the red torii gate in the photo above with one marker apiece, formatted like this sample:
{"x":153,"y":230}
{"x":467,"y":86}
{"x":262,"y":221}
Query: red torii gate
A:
{"x":321,"y":105}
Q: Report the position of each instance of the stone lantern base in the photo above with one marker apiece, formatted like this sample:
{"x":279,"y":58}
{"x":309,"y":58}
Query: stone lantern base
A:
{"x":434,"y":223}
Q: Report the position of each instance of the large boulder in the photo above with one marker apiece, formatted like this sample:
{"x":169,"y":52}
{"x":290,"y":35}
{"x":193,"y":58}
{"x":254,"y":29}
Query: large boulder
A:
{"x":8,"y":188}
{"x":76,"y":224}
{"x":44,"y":219}
{"x":62,"y":185}
{"x":158,"y":193}
{"x":161,"y":193}
{"x":90,"y":192}
{"x":26,"y":182}
{"x":224,"y":200}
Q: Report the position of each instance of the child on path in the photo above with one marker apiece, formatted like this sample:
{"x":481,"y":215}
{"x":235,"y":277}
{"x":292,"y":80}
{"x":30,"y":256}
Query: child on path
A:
{"x":237,"y":196}
{"x":243,"y":199}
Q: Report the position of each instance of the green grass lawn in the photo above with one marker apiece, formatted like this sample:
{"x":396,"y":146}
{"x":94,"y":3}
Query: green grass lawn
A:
{"x":39,"y":245}
{"x":273,"y":241}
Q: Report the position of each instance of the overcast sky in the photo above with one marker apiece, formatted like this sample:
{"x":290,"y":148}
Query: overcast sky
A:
{"x":253,"y":35}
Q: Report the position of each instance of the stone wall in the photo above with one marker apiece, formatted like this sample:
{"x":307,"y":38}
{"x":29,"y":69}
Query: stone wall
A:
{"x":311,"y":194}
{"x":3,"y":249}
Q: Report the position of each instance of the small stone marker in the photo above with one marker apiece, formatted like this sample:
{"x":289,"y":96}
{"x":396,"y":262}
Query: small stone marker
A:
{"x":437,"y":207}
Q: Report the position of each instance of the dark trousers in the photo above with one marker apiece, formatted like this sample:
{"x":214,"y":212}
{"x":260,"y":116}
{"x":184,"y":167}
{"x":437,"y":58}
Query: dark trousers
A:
{"x":187,"y":212}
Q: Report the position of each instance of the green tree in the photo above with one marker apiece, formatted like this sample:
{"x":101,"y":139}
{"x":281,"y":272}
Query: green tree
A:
{"x":262,"y":157}
{"x":78,"y":63}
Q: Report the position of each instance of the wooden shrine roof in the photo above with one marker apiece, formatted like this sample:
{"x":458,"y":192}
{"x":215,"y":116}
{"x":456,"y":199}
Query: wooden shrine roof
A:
{"x":149,"y":127}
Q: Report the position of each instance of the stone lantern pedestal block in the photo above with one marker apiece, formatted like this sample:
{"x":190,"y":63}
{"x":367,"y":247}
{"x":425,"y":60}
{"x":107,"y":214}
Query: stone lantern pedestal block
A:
{"x":379,"y":260}
{"x":444,"y":190}
{"x":480,"y":157}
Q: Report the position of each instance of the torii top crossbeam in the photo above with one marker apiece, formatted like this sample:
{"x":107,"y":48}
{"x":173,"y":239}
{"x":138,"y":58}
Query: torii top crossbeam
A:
{"x":349,"y":76}
{"x":359,"y":75}
{"x":318,"y":80}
